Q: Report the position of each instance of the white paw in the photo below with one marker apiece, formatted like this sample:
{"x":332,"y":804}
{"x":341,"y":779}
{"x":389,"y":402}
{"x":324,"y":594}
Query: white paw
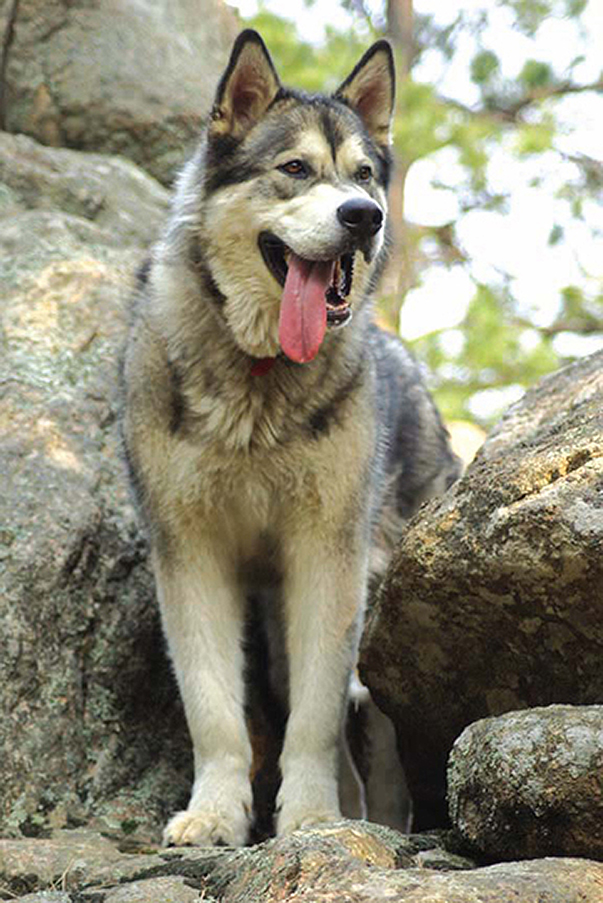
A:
{"x":219,"y":810}
{"x":207,"y":828}
{"x":307,"y":796}
{"x":290,"y":818}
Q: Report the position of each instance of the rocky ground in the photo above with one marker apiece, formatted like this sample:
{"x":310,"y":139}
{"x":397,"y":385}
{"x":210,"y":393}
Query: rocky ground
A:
{"x":351,"y":862}
{"x":488,"y":619}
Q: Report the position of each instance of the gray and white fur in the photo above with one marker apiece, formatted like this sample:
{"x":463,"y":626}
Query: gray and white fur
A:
{"x":259,"y":476}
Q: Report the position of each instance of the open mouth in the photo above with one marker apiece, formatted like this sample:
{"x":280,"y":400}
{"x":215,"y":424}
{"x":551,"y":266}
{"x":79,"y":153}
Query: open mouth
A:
{"x":276,"y":256}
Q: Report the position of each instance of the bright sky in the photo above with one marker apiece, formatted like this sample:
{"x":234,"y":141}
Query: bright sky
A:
{"x":516,"y":242}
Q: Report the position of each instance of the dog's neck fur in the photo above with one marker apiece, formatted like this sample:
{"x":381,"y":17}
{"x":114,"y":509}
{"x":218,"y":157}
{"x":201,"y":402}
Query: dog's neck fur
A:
{"x":239,"y":410}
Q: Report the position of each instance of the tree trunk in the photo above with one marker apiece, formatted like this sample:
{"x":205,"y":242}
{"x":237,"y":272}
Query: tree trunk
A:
{"x":399,"y":275}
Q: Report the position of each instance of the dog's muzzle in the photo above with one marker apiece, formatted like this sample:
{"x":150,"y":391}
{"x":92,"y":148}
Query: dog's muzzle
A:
{"x":276,"y":254}
{"x":316,"y":289}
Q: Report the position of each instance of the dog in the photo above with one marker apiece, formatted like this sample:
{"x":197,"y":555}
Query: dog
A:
{"x":275,"y":437}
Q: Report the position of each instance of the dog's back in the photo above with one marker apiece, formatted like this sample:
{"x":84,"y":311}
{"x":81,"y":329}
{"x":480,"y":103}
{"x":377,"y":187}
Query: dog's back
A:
{"x":418,"y":461}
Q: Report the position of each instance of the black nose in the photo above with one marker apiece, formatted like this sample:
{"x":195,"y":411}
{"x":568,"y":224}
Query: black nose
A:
{"x":361,"y":216}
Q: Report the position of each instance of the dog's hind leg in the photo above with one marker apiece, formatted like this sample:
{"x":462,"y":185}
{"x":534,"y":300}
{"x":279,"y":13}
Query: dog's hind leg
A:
{"x":323,"y":598}
{"x":202,"y":612}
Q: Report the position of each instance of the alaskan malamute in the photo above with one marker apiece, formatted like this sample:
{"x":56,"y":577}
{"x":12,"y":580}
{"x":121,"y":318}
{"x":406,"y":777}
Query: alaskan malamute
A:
{"x":275,"y":437}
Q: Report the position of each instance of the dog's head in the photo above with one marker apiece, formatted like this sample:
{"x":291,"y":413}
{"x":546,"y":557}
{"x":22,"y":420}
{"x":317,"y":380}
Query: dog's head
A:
{"x":295,"y":198}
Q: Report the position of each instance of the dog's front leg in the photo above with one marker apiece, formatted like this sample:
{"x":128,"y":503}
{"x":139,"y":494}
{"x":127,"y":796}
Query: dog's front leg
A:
{"x":324,"y":598}
{"x":202,"y":613}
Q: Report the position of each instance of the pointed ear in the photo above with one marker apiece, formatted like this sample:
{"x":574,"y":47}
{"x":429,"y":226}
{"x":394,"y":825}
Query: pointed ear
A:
{"x":370,"y":90}
{"x":247,"y":88}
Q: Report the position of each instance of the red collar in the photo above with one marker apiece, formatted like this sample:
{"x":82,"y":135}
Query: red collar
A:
{"x":262,"y":365}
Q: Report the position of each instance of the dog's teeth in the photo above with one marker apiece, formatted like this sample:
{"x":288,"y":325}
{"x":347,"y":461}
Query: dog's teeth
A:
{"x":336,"y":275}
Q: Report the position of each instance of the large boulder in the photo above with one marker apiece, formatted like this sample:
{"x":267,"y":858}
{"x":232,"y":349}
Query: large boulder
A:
{"x":108,"y":191}
{"x":90,"y":720}
{"x":493,"y":599}
{"x":530,"y":783}
{"x":114,"y":75}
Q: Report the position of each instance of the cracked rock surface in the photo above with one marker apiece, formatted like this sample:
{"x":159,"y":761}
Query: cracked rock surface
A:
{"x":353,"y":862}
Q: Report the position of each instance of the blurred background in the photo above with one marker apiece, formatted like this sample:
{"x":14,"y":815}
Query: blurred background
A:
{"x":497,"y":274}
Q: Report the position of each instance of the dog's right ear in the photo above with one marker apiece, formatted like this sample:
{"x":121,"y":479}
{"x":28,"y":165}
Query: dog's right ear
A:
{"x":247,"y":88}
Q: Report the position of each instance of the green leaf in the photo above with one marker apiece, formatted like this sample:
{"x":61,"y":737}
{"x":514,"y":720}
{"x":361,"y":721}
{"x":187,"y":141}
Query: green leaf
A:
{"x":536,"y":74}
{"x":556,"y":234}
{"x":422,"y":125}
{"x":483,"y":66}
{"x":533,"y":138}
{"x":573,"y":301}
{"x":576,"y":7}
{"x":529,"y":14}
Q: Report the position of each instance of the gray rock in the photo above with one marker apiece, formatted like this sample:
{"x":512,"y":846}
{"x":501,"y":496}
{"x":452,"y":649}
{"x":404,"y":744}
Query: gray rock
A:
{"x":109,"y":191}
{"x":168,"y":890}
{"x":90,"y":718}
{"x":68,"y":860}
{"x":530,"y":783}
{"x":550,"y":880}
{"x":46,"y":896}
{"x":116,"y":76}
{"x":493,"y":599}
{"x":92,"y":864}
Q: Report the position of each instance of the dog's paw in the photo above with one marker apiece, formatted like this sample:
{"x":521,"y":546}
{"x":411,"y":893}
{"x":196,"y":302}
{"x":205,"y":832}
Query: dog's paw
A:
{"x":315,"y":804}
{"x":207,"y":828}
{"x":308,"y":794}
{"x":219,"y":811}
{"x":290,"y":819}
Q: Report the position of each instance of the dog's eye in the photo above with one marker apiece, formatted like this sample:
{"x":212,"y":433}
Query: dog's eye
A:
{"x":364,"y":174}
{"x":295,"y":168}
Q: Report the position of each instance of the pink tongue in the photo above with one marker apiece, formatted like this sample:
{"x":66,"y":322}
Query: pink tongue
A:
{"x":303,"y":318}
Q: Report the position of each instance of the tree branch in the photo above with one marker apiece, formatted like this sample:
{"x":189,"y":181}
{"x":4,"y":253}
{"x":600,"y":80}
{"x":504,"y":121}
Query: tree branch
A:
{"x":585,"y":325}
{"x":509,"y":113}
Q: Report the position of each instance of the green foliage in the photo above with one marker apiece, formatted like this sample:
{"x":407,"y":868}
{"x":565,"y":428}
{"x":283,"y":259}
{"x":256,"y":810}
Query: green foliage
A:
{"x":483,"y":66}
{"x":534,"y":138}
{"x":531,"y":13}
{"x":556,"y":235}
{"x":492,"y":356}
{"x":422,"y":125}
{"x":573,"y":300}
{"x":429,"y":35}
{"x":501,"y":346}
{"x":536,"y":74}
{"x":314,"y":68}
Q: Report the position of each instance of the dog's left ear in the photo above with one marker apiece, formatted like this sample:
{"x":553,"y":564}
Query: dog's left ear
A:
{"x":247,"y":88}
{"x":370,"y":90}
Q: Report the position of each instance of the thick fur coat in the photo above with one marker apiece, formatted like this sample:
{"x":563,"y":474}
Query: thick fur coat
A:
{"x":275,"y":437}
